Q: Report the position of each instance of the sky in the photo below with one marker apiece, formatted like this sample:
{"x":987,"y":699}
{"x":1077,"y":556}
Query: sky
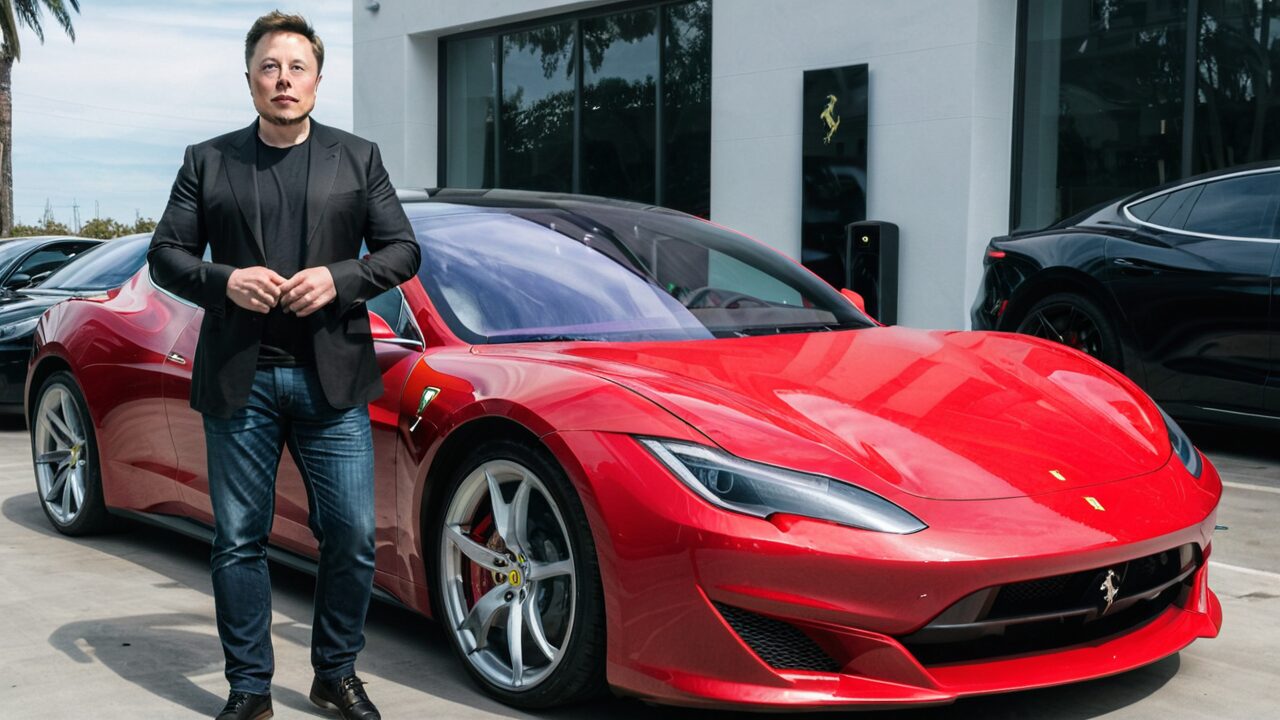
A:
{"x":102,"y":122}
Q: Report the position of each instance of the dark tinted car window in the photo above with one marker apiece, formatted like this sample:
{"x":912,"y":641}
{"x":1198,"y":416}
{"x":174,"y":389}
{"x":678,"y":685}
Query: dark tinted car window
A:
{"x":103,"y":267}
{"x":1144,"y":209}
{"x":50,"y":258}
{"x":1171,"y":211}
{"x":1242,"y":206}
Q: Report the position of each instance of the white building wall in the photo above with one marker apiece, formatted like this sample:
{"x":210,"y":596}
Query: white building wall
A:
{"x":939,"y":136}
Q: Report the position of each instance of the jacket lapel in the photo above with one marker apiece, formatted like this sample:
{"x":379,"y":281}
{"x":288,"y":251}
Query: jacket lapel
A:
{"x":240,"y":164}
{"x":321,"y":173}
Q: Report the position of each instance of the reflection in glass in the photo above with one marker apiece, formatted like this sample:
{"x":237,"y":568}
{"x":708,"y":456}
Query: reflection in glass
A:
{"x":537,"y":108}
{"x":686,"y":111}
{"x":1237,"y":99}
{"x":471,"y":86}
{"x":1102,"y":107}
{"x":618,"y":96}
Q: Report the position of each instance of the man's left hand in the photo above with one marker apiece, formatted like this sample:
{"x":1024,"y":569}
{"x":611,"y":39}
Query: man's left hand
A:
{"x":307,"y":291}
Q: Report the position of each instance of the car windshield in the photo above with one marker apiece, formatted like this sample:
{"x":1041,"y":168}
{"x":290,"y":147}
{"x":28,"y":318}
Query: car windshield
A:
{"x":102,"y":267}
{"x":600,"y":272}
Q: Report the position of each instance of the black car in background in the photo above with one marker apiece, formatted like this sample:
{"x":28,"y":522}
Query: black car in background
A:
{"x":1175,"y":286}
{"x":105,"y":266}
{"x":29,"y":260}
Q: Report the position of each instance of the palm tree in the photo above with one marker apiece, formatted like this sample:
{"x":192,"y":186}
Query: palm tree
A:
{"x":12,"y":14}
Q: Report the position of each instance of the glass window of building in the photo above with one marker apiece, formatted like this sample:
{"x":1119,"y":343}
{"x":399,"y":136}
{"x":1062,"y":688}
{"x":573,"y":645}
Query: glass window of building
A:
{"x":470,"y":88}
{"x":538,"y":92}
{"x":1101,"y":115}
{"x":613,"y":103}
{"x":1115,"y":96}
{"x":686,"y":107}
{"x":619,"y":94}
{"x":1237,"y":99}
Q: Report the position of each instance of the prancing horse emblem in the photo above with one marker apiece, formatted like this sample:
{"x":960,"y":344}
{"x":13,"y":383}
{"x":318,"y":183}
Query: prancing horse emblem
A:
{"x":1110,"y":587}
{"x":830,"y":118}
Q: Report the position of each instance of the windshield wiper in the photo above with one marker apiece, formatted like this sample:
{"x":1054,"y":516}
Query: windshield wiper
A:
{"x":782,"y":329}
{"x":542,"y":338}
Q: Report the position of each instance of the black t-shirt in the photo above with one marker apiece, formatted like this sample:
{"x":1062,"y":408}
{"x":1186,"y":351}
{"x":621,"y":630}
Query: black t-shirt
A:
{"x":282,"y":205}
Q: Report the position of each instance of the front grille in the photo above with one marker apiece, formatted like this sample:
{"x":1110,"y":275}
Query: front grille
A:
{"x":779,"y":644}
{"x":1033,"y":596}
{"x":1076,"y":590}
{"x":1044,"y":635}
{"x":1057,"y":611}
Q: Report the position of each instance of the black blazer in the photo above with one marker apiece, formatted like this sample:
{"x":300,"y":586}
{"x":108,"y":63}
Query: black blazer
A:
{"x":214,"y":202}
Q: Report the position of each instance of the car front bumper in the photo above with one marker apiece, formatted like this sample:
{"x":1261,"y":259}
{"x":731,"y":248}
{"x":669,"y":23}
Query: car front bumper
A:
{"x":680,"y":574}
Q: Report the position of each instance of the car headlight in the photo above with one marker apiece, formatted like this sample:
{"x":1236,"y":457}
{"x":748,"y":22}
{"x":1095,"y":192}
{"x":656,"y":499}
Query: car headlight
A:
{"x":19,"y":328}
{"x":762,"y":490}
{"x":1182,"y":446}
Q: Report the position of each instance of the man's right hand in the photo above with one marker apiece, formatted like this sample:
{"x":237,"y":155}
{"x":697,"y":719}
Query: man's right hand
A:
{"x":255,"y":288}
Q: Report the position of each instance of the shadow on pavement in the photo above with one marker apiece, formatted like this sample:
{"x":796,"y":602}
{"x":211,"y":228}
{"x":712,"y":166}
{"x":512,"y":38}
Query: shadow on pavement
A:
{"x":161,"y":652}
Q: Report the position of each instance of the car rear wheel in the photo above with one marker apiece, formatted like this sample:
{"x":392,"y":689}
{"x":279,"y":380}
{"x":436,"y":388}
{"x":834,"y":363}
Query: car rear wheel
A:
{"x":1075,"y":321}
{"x":516,"y":581}
{"x":68,"y":480}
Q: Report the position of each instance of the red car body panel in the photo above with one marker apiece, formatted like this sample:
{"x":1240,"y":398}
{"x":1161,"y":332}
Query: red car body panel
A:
{"x":964,"y":430}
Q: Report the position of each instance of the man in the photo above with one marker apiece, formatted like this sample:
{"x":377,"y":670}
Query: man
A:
{"x":284,"y":355}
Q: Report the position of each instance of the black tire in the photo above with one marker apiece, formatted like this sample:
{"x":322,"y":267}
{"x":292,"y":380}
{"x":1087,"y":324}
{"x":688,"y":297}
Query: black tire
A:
{"x":1077,"y":322}
{"x":85,"y":516}
{"x":580,"y":672}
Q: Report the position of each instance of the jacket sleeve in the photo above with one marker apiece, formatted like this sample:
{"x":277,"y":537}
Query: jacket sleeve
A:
{"x":178,"y":244}
{"x":394,"y":255}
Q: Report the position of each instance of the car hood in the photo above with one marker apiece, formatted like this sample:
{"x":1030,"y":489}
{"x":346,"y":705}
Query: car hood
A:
{"x":943,"y":415}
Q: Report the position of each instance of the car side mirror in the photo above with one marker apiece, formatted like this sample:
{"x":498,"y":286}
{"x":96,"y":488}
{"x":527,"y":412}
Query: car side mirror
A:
{"x":856,"y":299}
{"x":379,"y":327}
{"x":18,"y":280}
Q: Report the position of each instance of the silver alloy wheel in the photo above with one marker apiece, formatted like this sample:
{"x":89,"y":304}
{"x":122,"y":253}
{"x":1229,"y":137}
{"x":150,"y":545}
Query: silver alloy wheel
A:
{"x":60,"y":455}
{"x":507,"y":575}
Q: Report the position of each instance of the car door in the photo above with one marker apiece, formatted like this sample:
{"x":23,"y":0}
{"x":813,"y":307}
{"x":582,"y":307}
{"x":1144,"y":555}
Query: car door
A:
{"x":396,"y":351}
{"x":1195,"y":282}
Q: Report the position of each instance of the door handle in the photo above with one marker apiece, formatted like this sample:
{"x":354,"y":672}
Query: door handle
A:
{"x":176,"y":358}
{"x":1135,"y":267}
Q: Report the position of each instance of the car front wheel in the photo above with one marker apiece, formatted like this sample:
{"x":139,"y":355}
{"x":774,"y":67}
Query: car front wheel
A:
{"x":516,"y":581}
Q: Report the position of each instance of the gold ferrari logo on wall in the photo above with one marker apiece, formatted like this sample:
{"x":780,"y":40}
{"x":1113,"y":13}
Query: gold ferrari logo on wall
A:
{"x":830,"y":118}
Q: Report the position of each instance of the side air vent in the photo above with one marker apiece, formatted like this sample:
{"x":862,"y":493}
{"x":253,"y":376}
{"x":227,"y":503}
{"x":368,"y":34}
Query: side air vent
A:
{"x":779,"y":644}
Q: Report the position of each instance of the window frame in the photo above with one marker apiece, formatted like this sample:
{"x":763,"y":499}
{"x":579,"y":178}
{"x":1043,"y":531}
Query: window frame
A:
{"x":1275,"y":213}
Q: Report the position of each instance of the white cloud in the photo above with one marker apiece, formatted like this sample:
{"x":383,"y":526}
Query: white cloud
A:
{"x":106,"y":118}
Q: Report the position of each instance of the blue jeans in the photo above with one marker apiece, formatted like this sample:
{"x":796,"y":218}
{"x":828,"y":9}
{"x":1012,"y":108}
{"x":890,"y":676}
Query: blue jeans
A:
{"x":333,"y":449}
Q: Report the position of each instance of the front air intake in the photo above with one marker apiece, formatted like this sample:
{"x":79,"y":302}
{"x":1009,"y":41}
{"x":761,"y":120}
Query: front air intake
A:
{"x":778,"y":643}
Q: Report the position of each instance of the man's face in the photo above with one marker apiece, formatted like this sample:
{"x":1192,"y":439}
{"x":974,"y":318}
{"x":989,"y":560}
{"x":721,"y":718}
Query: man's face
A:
{"x":283,"y":77}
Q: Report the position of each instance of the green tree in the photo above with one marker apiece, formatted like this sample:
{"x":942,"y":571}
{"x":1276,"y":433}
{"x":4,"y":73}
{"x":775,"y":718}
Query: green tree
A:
{"x":105,"y":229}
{"x":13,"y":14}
{"x":143,"y":225}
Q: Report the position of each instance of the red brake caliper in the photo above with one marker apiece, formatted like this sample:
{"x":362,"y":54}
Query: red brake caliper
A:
{"x":481,"y":579}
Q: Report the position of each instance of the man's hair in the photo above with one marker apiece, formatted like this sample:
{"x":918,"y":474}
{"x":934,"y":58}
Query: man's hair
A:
{"x":276,"y":21}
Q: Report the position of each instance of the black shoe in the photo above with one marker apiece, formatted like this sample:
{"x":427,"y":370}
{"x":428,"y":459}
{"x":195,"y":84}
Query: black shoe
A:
{"x":347,"y":696}
{"x":246,"y":706}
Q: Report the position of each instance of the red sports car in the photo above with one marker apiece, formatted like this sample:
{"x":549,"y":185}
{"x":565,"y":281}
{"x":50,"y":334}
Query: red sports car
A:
{"x":624,"y":447}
